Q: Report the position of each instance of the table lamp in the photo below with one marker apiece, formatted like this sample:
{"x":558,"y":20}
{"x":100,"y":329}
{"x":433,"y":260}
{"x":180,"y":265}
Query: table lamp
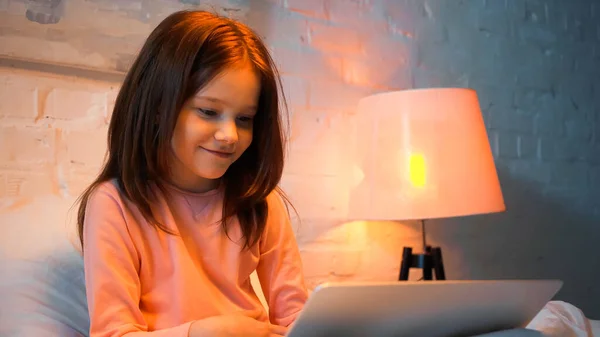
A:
{"x":423,"y":154}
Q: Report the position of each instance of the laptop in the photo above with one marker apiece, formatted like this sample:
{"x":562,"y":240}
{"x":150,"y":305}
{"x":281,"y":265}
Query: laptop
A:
{"x":422,"y":308}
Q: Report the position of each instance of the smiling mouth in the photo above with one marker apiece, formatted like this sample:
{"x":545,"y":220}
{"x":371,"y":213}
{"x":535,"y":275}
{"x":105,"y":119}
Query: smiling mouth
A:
{"x":220,"y":154}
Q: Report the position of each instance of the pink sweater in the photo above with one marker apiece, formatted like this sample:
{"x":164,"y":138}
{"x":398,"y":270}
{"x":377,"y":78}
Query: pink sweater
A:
{"x":144,"y":282}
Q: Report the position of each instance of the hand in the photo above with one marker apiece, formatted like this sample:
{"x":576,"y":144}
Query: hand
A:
{"x":234,"y":326}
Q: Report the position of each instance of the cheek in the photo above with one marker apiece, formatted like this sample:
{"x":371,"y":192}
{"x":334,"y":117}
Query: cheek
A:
{"x":186,"y":136}
{"x":246,"y":138}
{"x":182,"y":143}
{"x":177,"y":142}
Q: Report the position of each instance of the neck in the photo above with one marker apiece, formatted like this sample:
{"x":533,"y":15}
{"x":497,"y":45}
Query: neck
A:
{"x":197,"y":186}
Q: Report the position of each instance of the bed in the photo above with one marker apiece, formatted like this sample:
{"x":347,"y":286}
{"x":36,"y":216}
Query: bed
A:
{"x":42,"y":289}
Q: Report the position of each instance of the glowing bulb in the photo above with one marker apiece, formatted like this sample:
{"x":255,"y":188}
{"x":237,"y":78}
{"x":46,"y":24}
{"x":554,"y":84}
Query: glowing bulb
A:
{"x":417,"y":170}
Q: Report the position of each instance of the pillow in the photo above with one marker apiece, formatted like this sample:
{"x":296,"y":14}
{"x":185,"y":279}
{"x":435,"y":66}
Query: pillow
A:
{"x":561,"y":319}
{"x":42,"y":287}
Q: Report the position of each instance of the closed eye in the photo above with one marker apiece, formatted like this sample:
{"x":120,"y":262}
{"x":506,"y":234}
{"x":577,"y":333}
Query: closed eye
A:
{"x":207,"y":112}
{"x":246,"y":119}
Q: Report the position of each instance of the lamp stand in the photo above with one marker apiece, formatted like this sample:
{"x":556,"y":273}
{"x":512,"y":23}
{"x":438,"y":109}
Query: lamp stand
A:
{"x":431,"y":258}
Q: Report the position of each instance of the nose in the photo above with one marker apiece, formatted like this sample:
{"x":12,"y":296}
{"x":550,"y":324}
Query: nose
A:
{"x":227,"y":132}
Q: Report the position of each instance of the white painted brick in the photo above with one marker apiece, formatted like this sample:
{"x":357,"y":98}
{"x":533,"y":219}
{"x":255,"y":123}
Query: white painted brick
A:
{"x":310,"y":8}
{"x":321,"y":232}
{"x":564,"y":150}
{"x":18,"y":98}
{"x":3,"y":186}
{"x":507,"y":120}
{"x":592,"y":154}
{"x":74,"y":182}
{"x":30,"y":184}
{"x":546,"y":124}
{"x":74,"y":104}
{"x":334,"y":262}
{"x":348,"y":12}
{"x":539,"y":172}
{"x":489,"y":21}
{"x":570,"y":175}
{"x":347,"y":263}
{"x":538,"y":35}
{"x":527,"y":146}
{"x":328,"y":195}
{"x":494,"y":96}
{"x":528,"y":76}
{"x":384,"y":64}
{"x":595,"y":176}
{"x":280,"y":28}
{"x":493,"y":140}
{"x":334,"y":39}
{"x":577,"y":89}
{"x":26,"y":184}
{"x":318,"y":142}
{"x":315,"y":64}
{"x":316,"y":263}
{"x":579,"y":129}
{"x":507,"y":145}
{"x":295,"y":90}
{"x":86,"y":148}
{"x":365,"y":73}
{"x":12,"y":185}
{"x":387,"y":48}
{"x":326,"y":94}
{"x":26,"y":147}
{"x":111,"y":98}
{"x":430,"y":78}
{"x":402,"y":19}
{"x":541,"y":100}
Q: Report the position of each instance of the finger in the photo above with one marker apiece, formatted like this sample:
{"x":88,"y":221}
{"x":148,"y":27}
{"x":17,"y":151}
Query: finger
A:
{"x":278,"y":329}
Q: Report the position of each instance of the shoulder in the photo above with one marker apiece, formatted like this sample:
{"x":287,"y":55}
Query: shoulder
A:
{"x":277,"y":201}
{"x":279,"y":230}
{"x":106,"y":191}
{"x":107,"y":198}
{"x":279,"y":206}
{"x":108,"y":227}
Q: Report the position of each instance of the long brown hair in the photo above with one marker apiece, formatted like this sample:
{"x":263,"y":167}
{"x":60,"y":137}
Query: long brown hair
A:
{"x":181,"y":55}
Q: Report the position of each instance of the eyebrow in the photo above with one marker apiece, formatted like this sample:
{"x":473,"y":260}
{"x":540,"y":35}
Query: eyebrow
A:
{"x":216,"y":100}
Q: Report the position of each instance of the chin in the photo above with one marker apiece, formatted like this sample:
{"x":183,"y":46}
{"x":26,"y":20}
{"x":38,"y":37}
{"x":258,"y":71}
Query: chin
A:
{"x":216,"y":174}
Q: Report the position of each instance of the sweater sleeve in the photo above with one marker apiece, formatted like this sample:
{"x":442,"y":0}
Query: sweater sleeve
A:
{"x":280,"y":266}
{"x":112,"y":265}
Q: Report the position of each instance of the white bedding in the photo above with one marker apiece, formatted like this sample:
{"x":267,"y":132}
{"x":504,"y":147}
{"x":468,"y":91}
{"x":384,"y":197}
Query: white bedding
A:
{"x":42,"y":290}
{"x":47,"y":298}
{"x":595,"y":327}
{"x":561,"y":319}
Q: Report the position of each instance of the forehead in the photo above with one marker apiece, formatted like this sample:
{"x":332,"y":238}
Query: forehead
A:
{"x":235,"y":87}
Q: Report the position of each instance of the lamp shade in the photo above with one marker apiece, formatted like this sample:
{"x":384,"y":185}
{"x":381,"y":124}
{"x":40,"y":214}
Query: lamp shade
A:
{"x":422,"y":154}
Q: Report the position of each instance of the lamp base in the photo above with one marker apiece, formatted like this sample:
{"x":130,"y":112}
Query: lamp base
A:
{"x":430,"y":259}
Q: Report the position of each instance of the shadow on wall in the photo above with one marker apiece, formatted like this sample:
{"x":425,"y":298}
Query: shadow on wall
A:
{"x":536,"y":238}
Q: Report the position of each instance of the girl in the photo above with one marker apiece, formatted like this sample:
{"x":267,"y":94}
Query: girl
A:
{"x":187,"y":206}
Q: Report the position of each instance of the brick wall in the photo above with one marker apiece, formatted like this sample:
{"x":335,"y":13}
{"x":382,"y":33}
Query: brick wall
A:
{"x":534,"y":64}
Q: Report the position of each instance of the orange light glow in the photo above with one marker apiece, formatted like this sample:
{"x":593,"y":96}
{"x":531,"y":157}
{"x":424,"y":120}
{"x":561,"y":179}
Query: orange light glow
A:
{"x":417,"y":170}
{"x":442,"y":163}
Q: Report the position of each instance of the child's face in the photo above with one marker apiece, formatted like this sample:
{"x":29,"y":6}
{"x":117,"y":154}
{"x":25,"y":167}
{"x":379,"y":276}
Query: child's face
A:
{"x":214,"y":128}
